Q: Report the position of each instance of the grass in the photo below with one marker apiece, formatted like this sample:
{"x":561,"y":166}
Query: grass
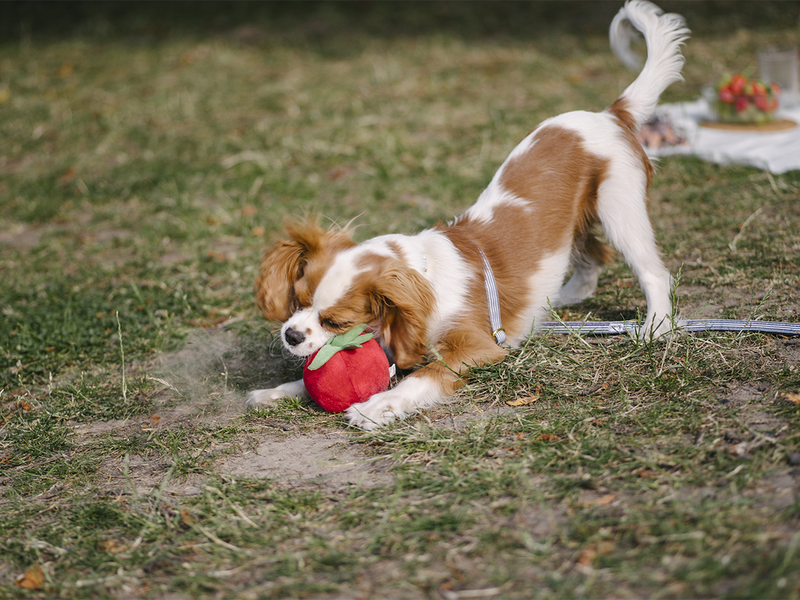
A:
{"x":148,"y":157}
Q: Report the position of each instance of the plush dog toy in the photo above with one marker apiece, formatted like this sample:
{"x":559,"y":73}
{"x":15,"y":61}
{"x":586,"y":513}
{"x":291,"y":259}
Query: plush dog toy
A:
{"x":350,"y":368}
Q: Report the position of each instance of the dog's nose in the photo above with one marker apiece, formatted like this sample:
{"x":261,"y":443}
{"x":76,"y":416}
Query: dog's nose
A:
{"x":293,"y":337}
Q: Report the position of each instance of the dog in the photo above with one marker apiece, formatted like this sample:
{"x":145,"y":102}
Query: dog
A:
{"x":462,"y":293}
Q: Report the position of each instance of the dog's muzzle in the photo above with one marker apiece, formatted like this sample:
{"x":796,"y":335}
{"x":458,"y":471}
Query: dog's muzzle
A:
{"x":293,"y":337}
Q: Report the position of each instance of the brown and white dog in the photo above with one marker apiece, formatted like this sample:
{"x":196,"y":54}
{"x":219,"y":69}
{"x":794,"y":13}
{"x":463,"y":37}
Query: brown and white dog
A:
{"x":425,"y":295}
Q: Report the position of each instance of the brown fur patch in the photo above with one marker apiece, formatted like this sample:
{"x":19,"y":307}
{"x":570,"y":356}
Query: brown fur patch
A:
{"x":291,"y":270}
{"x":590,"y":247}
{"x":556,"y":181}
{"x":460,"y":349}
{"x":389,"y":295}
{"x":397,"y":249}
{"x":620,"y":110}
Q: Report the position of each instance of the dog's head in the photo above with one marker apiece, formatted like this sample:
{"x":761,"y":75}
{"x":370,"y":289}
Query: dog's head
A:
{"x":319,"y":283}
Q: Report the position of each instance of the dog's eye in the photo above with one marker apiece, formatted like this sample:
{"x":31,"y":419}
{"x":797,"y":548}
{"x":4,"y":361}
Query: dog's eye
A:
{"x":333,"y":325}
{"x":302,"y":295}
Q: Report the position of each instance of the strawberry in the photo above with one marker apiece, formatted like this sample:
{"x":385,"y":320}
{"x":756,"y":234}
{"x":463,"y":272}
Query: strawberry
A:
{"x":737,"y":84}
{"x":741,"y":103}
{"x":773,"y":104}
{"x":762,"y":103}
{"x":759,"y":89}
{"x":726,"y":95}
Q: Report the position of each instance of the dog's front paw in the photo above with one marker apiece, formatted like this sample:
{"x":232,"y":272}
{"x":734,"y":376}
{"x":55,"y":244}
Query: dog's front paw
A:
{"x":270,"y":397}
{"x":413,"y":393}
{"x":657,"y":329}
{"x":380,"y":409}
{"x":262,"y":398}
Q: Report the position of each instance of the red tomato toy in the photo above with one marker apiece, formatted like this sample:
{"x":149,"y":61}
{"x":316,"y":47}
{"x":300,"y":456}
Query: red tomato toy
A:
{"x":349,"y":369}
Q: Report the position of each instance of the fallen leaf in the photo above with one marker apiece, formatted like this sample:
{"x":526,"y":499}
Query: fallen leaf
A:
{"x":548,"y":437}
{"x":793,"y":398}
{"x":601,"y":501}
{"x":598,"y":387}
{"x":605,"y":500}
{"x":576,"y":78}
{"x":646,"y":473}
{"x":248,"y":210}
{"x":587,"y":557}
{"x":338,"y":173}
{"x":524,"y":401}
{"x":67,"y":177}
{"x":32,"y":579}
{"x":258,"y":231}
{"x":186,"y":518}
{"x":216,"y":256}
{"x":111,"y":546}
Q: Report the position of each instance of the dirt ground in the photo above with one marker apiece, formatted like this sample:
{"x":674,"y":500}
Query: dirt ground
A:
{"x":194,"y":393}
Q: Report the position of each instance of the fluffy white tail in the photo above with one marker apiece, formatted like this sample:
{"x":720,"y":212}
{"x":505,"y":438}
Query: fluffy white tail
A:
{"x":664,"y":34}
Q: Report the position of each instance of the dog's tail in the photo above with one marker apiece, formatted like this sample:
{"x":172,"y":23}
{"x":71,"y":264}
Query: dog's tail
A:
{"x":664,"y":34}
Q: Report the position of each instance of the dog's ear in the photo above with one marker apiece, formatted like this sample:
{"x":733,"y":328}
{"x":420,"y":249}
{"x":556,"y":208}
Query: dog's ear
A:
{"x":403,"y":300}
{"x":306,"y":245}
{"x":280,"y":267}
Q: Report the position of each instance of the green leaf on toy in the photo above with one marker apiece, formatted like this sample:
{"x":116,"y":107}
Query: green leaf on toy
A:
{"x":344,"y":341}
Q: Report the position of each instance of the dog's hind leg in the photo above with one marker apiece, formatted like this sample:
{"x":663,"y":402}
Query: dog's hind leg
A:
{"x":622,"y":211}
{"x":589,"y":255}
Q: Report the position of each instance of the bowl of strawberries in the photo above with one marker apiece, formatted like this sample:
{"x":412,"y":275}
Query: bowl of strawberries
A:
{"x":742,"y":100}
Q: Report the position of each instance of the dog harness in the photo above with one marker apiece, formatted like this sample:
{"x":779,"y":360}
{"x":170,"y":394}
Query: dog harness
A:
{"x":492,"y":299}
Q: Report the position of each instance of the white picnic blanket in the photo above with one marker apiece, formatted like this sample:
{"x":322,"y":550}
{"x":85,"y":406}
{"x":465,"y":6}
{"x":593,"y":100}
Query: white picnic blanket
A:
{"x":776,"y":152}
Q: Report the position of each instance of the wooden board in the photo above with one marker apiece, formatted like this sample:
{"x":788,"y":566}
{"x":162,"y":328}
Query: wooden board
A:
{"x":779,"y":125}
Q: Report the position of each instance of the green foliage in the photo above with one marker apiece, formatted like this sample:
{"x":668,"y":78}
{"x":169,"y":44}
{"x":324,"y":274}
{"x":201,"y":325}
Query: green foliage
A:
{"x":60,"y":324}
